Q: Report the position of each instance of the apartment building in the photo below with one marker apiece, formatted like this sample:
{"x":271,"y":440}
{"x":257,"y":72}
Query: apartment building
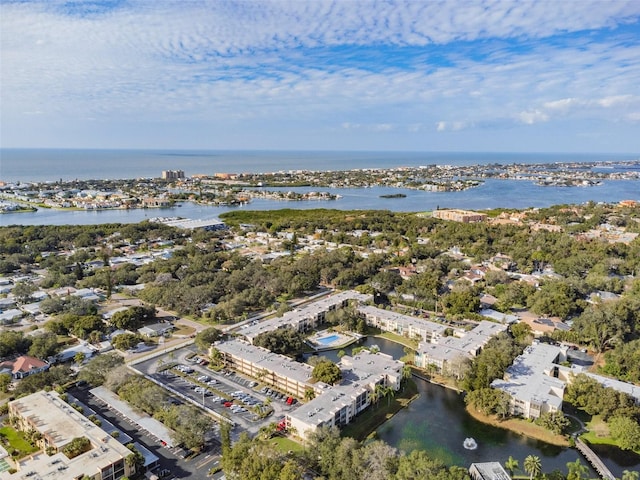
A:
{"x":338,"y":405}
{"x":308,"y":317}
{"x":59,"y":424}
{"x":462,"y":216}
{"x":172,"y":174}
{"x":335,"y":405}
{"x":532,"y":381}
{"x":448,"y":353}
{"x":405,"y":325}
{"x":277,"y":371}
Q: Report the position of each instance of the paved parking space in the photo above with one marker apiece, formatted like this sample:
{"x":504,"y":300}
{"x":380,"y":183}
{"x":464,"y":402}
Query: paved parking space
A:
{"x":214,"y":395}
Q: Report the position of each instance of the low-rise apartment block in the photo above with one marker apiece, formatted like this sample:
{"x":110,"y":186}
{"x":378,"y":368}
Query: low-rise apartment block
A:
{"x":405,"y":325}
{"x":308,"y":317}
{"x":532,"y":381}
{"x":59,"y":424}
{"x":463,"y":216}
{"x":447,"y":353}
{"x":435,"y":349}
{"x":337,"y":405}
{"x":277,"y":371}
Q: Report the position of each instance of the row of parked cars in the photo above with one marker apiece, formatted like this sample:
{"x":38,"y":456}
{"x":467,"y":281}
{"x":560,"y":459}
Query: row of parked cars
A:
{"x":278,"y":396}
{"x":246,"y":399}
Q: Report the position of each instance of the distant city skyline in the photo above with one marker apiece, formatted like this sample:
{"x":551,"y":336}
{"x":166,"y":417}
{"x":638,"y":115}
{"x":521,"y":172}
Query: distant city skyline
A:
{"x":494,"y":76}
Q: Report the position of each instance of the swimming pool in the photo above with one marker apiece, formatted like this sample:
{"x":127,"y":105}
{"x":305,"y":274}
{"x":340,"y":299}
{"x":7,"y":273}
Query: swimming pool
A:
{"x":328,"y":340}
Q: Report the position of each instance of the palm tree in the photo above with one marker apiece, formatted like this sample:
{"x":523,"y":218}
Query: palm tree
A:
{"x":309,"y":394}
{"x":389,"y":393}
{"x":512,"y":465}
{"x":533,"y":466}
{"x":269,"y":430}
{"x":374,"y":396}
{"x":379,"y":392}
{"x":577,"y":470}
{"x":406,"y":375}
{"x":629,"y":475}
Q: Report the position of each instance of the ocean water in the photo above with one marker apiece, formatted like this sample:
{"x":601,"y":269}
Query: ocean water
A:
{"x":51,"y":165}
{"x":39,"y":165}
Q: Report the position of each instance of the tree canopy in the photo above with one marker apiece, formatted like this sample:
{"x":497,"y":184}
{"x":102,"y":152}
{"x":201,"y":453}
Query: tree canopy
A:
{"x":285,"y":341}
{"x":326,"y":371}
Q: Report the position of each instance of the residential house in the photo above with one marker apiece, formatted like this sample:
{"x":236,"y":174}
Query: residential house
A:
{"x":155,"y":330}
{"x":23,"y":366}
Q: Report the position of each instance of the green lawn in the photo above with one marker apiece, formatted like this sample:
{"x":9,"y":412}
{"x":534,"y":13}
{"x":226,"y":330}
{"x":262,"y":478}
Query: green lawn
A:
{"x":394,"y":337}
{"x":376,"y":415}
{"x":599,"y":433}
{"x":17,"y":441}
{"x":286,"y":444}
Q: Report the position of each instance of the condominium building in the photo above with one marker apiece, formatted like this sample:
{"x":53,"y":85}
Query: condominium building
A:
{"x":338,"y":405}
{"x":463,"y":216}
{"x":568,"y":373}
{"x":172,"y":174}
{"x":277,"y":371}
{"x":405,"y":325}
{"x":58,"y":425}
{"x":532,"y":381}
{"x":308,"y":317}
{"x":447,"y":353}
{"x":435,"y":349}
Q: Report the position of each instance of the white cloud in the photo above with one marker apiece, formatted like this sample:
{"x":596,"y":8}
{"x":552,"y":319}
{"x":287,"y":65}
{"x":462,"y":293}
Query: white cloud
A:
{"x":533,"y":116}
{"x":616,"y":100}
{"x":562,"y":105}
{"x":454,"y":126}
{"x":300,"y":63}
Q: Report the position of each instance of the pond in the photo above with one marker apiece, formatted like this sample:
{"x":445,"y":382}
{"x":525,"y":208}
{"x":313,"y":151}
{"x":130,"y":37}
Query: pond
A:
{"x":438,"y":423}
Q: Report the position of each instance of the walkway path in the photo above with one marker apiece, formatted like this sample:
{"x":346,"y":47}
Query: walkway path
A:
{"x":591,"y":456}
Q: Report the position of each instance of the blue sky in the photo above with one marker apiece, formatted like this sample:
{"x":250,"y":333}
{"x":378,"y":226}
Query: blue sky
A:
{"x":450,"y":75}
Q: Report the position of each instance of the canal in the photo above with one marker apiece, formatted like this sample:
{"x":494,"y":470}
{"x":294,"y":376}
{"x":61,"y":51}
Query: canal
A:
{"x":438,"y":423}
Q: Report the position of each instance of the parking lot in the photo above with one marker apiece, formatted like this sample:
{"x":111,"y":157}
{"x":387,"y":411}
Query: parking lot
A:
{"x":242,"y":401}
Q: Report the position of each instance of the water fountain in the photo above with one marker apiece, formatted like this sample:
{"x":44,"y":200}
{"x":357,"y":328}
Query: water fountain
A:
{"x":469,"y":443}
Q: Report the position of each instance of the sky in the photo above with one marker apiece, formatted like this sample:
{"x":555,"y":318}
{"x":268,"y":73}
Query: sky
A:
{"x":450,"y":75}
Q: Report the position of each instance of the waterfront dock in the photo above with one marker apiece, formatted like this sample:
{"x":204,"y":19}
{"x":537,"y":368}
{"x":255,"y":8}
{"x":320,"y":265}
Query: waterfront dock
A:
{"x":594,"y":460}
